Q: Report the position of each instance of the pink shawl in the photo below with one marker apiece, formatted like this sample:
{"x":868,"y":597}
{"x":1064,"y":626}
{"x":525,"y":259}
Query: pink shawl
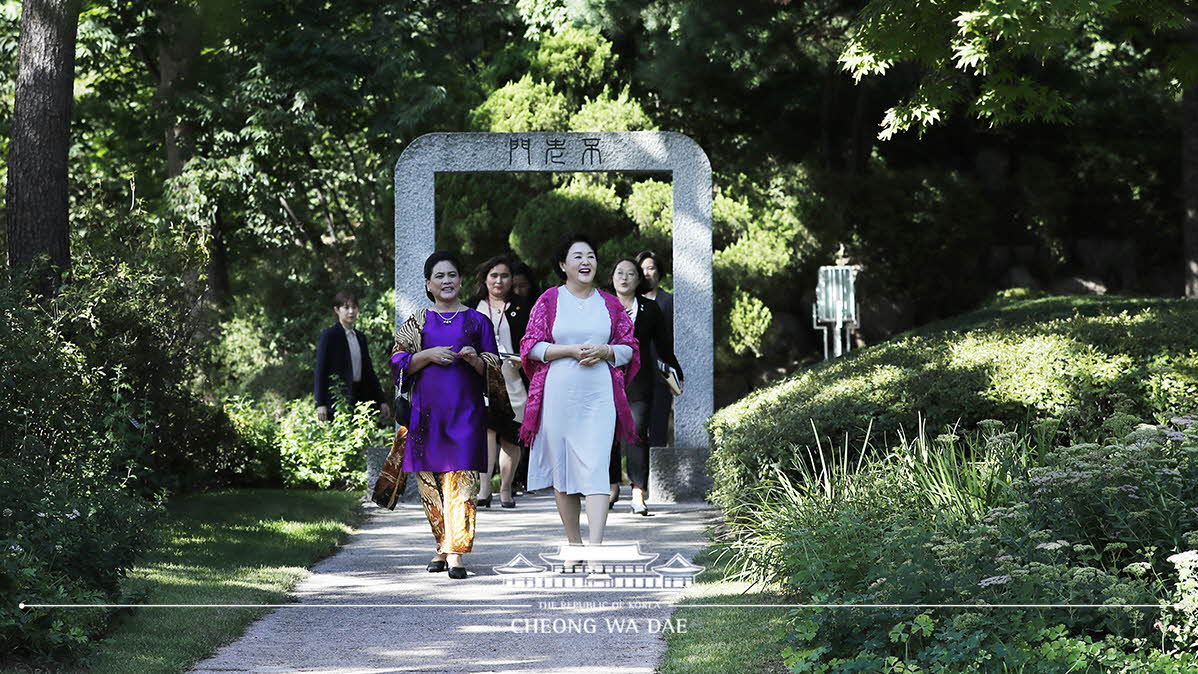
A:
{"x":540,"y":329}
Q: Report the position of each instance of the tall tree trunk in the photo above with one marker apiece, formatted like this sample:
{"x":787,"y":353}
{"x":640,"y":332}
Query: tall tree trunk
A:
{"x":179,"y":44}
{"x":178,"y":47}
{"x":38,"y":218}
{"x":1189,"y":187}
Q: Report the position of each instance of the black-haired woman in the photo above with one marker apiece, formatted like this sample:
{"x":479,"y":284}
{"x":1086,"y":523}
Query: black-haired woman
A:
{"x":509,"y":316}
{"x":650,"y":330}
{"x":524,"y":285}
{"x":524,"y":281}
{"x":445,"y":356}
{"x":653,"y":267}
{"x":577,"y":351}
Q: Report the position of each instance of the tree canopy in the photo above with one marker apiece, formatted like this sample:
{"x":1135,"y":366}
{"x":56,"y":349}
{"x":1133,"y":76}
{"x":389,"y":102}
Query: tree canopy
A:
{"x":246,"y":146}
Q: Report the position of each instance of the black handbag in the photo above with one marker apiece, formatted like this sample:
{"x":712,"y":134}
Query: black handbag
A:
{"x":402,"y":410}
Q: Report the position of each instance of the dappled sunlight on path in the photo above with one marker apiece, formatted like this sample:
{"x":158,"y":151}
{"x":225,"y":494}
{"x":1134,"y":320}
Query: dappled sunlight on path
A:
{"x":479,"y":624}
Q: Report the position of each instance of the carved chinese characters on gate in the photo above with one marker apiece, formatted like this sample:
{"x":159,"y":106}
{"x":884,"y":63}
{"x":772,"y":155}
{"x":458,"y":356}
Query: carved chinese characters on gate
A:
{"x":554,"y":151}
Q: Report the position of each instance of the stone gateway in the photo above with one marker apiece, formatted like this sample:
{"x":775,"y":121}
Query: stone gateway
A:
{"x":676,"y":473}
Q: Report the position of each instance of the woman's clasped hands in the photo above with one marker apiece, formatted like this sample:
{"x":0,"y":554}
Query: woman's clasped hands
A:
{"x":445,"y":356}
{"x":592,"y":354}
{"x":469,"y":355}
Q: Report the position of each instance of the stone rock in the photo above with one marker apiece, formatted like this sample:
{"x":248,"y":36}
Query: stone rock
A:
{"x":1114,"y":260}
{"x":678,"y":474}
{"x":375,"y":458}
{"x":1076,"y":285}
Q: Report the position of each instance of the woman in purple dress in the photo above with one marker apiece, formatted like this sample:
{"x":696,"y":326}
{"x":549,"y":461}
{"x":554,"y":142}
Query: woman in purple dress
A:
{"x":447,"y":359}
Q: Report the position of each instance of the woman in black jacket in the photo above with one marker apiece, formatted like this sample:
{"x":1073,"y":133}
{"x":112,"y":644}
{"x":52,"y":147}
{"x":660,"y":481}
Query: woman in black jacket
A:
{"x":651,"y":331}
{"x":509,"y":316}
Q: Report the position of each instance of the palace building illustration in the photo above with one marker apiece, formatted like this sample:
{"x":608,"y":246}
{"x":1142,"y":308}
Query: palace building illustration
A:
{"x":598,"y":567}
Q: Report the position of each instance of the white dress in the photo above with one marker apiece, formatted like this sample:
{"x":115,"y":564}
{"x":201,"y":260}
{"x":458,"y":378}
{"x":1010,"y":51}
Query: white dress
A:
{"x":578,"y":412}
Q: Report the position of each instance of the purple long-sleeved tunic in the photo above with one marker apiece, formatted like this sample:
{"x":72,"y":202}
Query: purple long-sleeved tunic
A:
{"x":448,"y":428}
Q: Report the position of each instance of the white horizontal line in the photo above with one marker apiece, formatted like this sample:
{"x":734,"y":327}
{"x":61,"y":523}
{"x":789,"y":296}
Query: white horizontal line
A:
{"x":1157,"y":606}
{"x":23,"y":605}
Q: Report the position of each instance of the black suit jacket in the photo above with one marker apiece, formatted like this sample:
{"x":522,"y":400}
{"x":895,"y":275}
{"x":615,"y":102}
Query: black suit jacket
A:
{"x":332,"y":359}
{"x":651,"y":331}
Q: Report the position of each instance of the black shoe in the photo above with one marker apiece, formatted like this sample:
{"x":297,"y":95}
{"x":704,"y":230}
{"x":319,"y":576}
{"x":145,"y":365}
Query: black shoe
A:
{"x":437,"y":566}
{"x":507,"y":504}
{"x":611,"y":502}
{"x":457,"y":572}
{"x":484,"y":502}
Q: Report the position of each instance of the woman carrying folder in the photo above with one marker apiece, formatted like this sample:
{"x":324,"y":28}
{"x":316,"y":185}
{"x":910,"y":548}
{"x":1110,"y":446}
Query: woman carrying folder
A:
{"x":651,"y":333}
{"x":509,"y":317}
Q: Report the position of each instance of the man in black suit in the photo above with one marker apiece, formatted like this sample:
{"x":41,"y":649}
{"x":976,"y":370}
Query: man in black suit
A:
{"x":341,"y":352}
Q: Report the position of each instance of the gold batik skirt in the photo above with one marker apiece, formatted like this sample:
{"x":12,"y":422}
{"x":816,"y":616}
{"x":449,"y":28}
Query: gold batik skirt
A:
{"x":449,"y":503}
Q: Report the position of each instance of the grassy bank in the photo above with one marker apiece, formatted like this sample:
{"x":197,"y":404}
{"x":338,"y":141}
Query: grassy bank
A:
{"x":1045,"y":556}
{"x":727,"y":639}
{"x":1019,"y":360}
{"x":229,"y":547}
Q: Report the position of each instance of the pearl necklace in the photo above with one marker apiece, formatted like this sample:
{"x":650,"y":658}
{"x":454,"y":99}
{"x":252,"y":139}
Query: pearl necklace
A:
{"x":445,"y":320}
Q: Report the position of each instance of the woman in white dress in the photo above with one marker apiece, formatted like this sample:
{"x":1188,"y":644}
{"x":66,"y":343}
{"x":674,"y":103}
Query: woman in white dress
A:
{"x":578,"y":350}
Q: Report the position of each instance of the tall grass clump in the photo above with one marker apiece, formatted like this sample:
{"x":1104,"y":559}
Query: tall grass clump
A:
{"x":951,"y":479}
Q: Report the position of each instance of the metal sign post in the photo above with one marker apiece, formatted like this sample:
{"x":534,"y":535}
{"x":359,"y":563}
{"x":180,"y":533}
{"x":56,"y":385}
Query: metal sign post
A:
{"x":836,"y":307}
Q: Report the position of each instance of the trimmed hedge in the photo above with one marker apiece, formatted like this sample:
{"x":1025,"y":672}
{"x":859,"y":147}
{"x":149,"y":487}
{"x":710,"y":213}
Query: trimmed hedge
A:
{"x":1075,"y":359}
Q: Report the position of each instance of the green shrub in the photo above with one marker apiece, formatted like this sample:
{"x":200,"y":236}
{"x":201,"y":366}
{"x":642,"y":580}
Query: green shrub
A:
{"x":108,"y":367}
{"x":328,"y":455}
{"x":69,"y":531}
{"x":287,"y":446}
{"x":1075,"y":359}
{"x":45,"y":635}
{"x":985,"y":517}
{"x":748,"y":321}
{"x":254,"y":454}
{"x":581,"y":205}
{"x":99,"y":415}
{"x":525,"y":105}
{"x":580,"y":59}
{"x":611,"y":114}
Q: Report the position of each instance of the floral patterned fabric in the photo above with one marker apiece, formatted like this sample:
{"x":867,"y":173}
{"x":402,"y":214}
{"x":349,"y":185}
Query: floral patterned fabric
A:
{"x":449,"y":505}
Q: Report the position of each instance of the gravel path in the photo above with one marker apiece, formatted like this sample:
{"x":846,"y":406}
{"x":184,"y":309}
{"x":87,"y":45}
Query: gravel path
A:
{"x":482,"y":623}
